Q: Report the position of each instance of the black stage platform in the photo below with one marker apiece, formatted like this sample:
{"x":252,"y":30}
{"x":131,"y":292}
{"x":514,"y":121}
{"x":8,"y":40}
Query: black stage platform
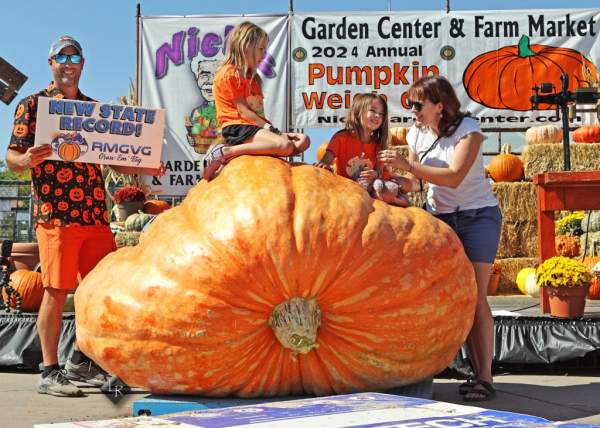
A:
{"x":523,"y":336}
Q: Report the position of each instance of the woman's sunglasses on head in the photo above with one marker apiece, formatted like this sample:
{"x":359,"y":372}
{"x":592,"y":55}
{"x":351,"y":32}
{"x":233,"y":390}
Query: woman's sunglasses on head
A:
{"x":62,"y":58}
{"x":417,"y":105}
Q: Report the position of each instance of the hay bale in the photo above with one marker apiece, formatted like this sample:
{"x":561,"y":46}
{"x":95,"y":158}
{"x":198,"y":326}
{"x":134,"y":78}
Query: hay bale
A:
{"x":539,"y":158}
{"x":517,"y":201}
{"x":518,"y":239}
{"x":127,"y":239}
{"x":509,"y":268}
{"x":591,"y":240}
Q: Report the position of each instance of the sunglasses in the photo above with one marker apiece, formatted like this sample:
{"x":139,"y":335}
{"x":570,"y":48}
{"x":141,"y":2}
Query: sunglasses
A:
{"x":62,"y":58}
{"x":417,"y":105}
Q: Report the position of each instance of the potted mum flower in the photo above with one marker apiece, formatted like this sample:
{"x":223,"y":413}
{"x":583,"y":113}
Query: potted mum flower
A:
{"x":128,"y":200}
{"x":567,"y":282}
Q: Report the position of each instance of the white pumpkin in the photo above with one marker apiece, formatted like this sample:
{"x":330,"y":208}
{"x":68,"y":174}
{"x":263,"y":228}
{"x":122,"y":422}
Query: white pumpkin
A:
{"x":531,"y":287}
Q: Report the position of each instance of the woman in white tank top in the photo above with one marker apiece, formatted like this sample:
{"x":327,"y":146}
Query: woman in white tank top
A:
{"x":445,"y":150}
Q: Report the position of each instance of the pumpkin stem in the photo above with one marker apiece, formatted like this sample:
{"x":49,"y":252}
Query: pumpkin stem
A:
{"x":524,"y":50}
{"x":506,"y":149}
{"x":295,"y":323}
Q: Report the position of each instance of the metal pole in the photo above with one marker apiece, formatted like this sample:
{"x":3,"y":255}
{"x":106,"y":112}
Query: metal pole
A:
{"x":138,"y":20}
{"x":447,"y":6}
{"x":389,"y":5}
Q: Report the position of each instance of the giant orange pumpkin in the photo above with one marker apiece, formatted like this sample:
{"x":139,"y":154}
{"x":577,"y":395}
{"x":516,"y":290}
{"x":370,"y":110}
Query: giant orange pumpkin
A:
{"x":289,"y":282}
{"x":30,"y":288}
{"x":503,"y":78}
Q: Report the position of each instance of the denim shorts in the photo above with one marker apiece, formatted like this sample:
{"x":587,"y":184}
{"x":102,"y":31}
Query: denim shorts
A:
{"x":238,"y":134}
{"x":478,"y":230}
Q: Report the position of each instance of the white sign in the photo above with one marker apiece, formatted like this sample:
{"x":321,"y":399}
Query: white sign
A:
{"x":85,"y":131}
{"x":179,"y":58}
{"x":493,"y":59}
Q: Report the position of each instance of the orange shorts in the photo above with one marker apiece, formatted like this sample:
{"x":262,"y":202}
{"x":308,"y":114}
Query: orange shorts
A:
{"x":67,"y":251}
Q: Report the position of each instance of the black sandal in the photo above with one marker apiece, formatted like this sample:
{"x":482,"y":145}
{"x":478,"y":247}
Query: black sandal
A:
{"x":467,"y":386}
{"x":486,"y":392}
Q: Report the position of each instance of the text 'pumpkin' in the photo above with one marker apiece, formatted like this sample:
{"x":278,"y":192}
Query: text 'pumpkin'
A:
{"x":275,"y":280}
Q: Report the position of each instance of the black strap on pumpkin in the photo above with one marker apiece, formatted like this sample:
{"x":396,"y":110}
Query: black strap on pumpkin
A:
{"x":5,"y":288}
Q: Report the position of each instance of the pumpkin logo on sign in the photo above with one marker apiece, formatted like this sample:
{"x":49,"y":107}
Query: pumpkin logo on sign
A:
{"x":502,"y":79}
{"x":69,"y":147}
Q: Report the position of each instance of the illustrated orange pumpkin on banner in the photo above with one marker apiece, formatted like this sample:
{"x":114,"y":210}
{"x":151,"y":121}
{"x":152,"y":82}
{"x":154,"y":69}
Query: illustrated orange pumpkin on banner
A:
{"x":503,"y":78}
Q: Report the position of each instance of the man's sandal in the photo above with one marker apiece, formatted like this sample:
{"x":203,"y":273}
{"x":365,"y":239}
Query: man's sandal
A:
{"x":481,"y":391}
{"x":214,"y":160}
{"x":467,"y":386}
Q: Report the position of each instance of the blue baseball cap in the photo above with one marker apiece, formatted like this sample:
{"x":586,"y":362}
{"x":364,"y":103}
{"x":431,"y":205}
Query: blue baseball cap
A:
{"x":61,"y":43}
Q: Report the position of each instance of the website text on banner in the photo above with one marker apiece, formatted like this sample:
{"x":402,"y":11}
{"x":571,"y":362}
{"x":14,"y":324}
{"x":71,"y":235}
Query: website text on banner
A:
{"x":493,"y":60}
{"x":180,"y":56}
{"x":82,"y":131}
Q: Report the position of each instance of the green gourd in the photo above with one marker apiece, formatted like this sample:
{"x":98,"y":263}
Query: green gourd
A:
{"x":135,"y":222}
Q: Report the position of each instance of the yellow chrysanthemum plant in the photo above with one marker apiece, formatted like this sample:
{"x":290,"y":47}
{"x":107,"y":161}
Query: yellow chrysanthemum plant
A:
{"x":570,"y":224}
{"x":562,"y":272}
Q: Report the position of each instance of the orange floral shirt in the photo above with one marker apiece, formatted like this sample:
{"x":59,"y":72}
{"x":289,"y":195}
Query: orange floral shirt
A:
{"x":63,"y":193}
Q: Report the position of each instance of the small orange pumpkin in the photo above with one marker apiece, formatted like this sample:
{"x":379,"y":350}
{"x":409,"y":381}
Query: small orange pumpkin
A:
{"x":398,"y":136}
{"x":69,"y":150}
{"x":506,"y":166}
{"x":155,"y":206}
{"x":30,"y":288}
{"x":594,"y":290}
{"x":49,"y":168}
{"x":502,"y":79}
{"x":99,"y":194}
{"x":62,"y":206}
{"x":587,"y":134}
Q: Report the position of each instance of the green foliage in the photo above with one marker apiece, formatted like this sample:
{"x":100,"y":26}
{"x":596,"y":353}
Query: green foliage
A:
{"x":570,"y":225}
{"x":7,"y":174}
{"x":562,"y":272}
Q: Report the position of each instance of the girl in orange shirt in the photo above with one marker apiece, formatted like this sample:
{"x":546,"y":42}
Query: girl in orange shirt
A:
{"x":355,"y":150}
{"x":239,"y":102}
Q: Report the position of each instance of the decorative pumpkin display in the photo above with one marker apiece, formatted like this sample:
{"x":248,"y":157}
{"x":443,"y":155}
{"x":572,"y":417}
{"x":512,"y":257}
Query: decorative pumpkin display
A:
{"x":591,"y":222}
{"x":286,"y":283}
{"x":531,"y":286}
{"x":398,"y":136}
{"x":567,"y":245}
{"x":29,"y":285}
{"x":545,"y":134}
{"x":155,"y":206}
{"x":587,"y":134}
{"x":506,"y":166}
{"x":503,"y":78}
{"x":321,"y":151}
{"x":135,"y":222}
{"x":522,"y":277}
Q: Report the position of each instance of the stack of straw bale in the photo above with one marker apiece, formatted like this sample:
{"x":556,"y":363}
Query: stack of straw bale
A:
{"x":540,"y":158}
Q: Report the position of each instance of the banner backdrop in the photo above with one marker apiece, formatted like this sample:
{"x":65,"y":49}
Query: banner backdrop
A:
{"x":179,"y":56}
{"x":493,"y":59}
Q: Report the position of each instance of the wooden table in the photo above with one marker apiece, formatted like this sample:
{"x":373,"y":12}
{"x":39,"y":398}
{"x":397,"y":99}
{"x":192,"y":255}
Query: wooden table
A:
{"x":561,"y":191}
